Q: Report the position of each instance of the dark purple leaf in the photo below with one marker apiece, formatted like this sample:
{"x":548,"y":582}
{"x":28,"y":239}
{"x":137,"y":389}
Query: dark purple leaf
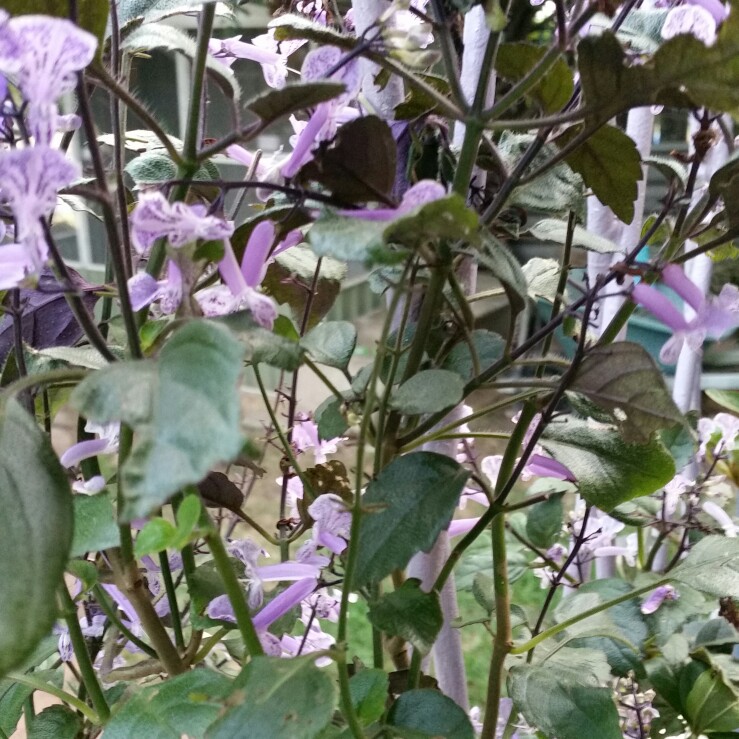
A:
{"x":46,"y":319}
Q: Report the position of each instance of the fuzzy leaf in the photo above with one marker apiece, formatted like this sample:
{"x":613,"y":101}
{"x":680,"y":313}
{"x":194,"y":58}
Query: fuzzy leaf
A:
{"x":183,"y":705}
{"x":608,"y":470}
{"x":409,"y":613}
{"x":35,"y":534}
{"x":95,"y":527}
{"x":408,"y":504}
{"x":183,"y":407}
{"x":552,"y":229}
{"x":428,"y":391}
{"x":712,"y":566}
{"x":610,"y":165}
{"x":344,"y":167}
{"x":277,"y":697}
{"x":429,"y":713}
{"x":331,"y":343}
{"x":276,"y":104}
{"x":624,"y":379}
{"x":564,"y":702}
{"x":55,"y":722}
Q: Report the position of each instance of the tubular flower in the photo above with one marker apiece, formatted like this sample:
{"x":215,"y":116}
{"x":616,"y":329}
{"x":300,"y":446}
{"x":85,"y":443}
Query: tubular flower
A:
{"x":714,"y":315}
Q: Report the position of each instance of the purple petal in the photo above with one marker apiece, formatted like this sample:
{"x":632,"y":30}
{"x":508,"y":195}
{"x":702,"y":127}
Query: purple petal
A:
{"x":674,"y":277}
{"x":543,"y":466}
{"x":84,"y":450}
{"x":461,"y":526}
{"x":283,"y":602}
{"x":308,"y":136}
{"x":655,"y":599}
{"x":220,"y":608}
{"x":142,"y":289}
{"x":123,"y":603}
{"x":717,"y":9}
{"x":659,"y":305}
{"x":286,"y":571}
{"x":425,"y":191}
{"x":230,"y":271}
{"x":254,"y":263}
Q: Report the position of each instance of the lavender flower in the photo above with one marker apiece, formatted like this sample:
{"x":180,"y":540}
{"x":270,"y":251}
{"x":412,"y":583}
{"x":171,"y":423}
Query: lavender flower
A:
{"x":29,"y":182}
{"x":144,"y":289}
{"x":657,"y":597}
{"x":722,"y":518}
{"x":154,"y":217}
{"x":332,"y":522}
{"x":714,"y":315}
{"x":42,"y":55}
{"x":326,"y":118}
{"x":305,"y":436}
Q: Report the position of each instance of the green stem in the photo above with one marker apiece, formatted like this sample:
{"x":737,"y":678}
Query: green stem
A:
{"x":560,"y":627}
{"x":72,"y":700}
{"x":82,"y":654}
{"x":174,"y":609}
{"x":235,"y":592}
{"x":503,"y":640}
{"x":525,"y":84}
{"x":52,"y":377}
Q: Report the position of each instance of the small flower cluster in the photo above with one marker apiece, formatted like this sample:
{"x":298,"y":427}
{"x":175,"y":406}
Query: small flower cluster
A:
{"x":40,"y":57}
{"x":635,"y":708}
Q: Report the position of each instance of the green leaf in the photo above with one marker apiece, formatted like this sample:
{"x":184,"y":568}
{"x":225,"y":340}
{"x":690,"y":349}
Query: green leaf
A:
{"x":158,"y":535}
{"x":670,"y":168}
{"x":552,"y":229}
{"x":483,"y":591}
{"x":609,"y":163}
{"x":290,"y":26}
{"x":55,"y":722}
{"x":428,"y":391}
{"x":349,"y":239}
{"x":262,"y":346}
{"x":712,"y":703}
{"x":331,"y":343}
{"x":407,"y":505}
{"x":77,"y":356}
{"x":95,"y":527}
{"x":515,"y":61}
{"x":682,"y":73}
{"x":544,"y":521}
{"x":277,"y":697}
{"x":185,"y":704}
{"x":155,"y":167}
{"x":154,"y":10}
{"x":369,"y":693}
{"x":542,"y":278}
{"x":564,"y":702}
{"x":188,"y":515}
{"x":84,"y":571}
{"x":728,"y":399}
{"x":409,"y":613}
{"x":330,"y":420}
{"x":712,"y":566}
{"x":345,"y":170}
{"x":35,"y":534}
{"x":715,"y":632}
{"x":624,"y":379}
{"x":276,"y":104}
{"x":183,"y":407}
{"x":428,"y":713}
{"x":488,"y":346}
{"x":497,"y":257}
{"x":608,"y":470}
{"x":167,"y":37}
{"x":12,"y":697}
{"x":446,"y":218}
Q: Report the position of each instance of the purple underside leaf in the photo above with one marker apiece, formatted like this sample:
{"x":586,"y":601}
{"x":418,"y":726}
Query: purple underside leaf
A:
{"x":46,"y":318}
